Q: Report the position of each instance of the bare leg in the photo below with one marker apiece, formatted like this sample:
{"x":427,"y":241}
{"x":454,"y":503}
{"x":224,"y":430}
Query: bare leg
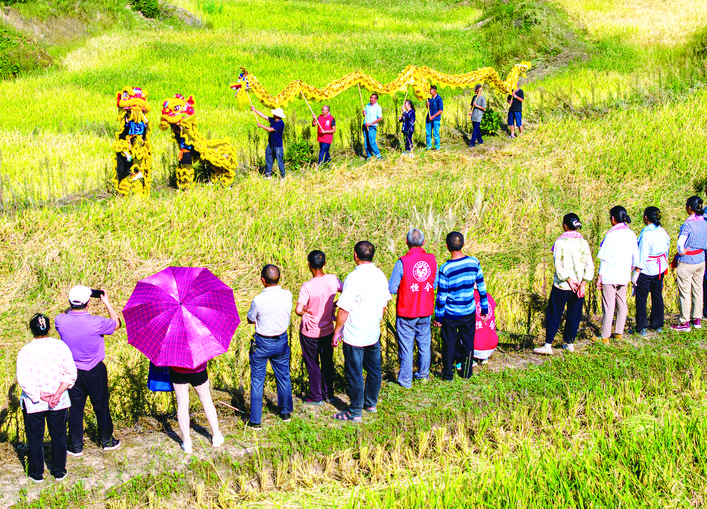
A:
{"x":204,"y":393}
{"x":182,"y":393}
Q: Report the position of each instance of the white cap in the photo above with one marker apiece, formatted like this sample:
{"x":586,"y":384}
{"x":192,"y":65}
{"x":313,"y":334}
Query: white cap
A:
{"x":79,"y":295}
{"x":277,"y":112}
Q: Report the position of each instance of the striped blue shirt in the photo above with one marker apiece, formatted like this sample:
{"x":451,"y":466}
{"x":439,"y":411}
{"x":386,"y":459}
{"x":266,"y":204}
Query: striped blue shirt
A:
{"x":455,"y":289}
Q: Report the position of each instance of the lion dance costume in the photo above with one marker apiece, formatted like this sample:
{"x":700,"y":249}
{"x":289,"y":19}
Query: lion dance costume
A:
{"x":178,"y":114}
{"x":133,"y":147}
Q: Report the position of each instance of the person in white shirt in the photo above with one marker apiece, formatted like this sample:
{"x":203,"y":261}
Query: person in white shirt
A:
{"x":270,"y":312}
{"x":362,"y":303}
{"x":652,"y":264}
{"x":618,"y":255}
{"x":372,"y":114}
{"x":45,"y":370}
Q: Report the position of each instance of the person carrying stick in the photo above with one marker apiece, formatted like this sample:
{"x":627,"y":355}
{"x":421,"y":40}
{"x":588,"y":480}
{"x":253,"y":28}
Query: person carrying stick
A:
{"x":326,"y":127}
{"x":274,"y":148}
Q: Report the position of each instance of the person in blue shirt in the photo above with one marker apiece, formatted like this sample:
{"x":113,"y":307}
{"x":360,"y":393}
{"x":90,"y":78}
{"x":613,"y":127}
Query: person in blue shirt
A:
{"x":372,"y":114}
{"x":434,"y":117}
{"x":455,"y":308}
{"x":274,"y":148}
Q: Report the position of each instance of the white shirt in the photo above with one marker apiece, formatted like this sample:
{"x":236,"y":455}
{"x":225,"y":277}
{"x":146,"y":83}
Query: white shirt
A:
{"x":364,"y":296}
{"x":271,"y":310}
{"x":373,"y":112}
{"x":618,"y":255}
{"x":653,"y":248}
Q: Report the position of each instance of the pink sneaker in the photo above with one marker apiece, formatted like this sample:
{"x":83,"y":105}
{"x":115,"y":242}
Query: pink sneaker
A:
{"x":682,"y":327}
{"x":695,"y":322}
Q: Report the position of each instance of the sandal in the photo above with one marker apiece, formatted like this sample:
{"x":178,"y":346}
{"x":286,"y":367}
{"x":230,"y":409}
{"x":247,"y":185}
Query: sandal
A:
{"x":346,"y":416}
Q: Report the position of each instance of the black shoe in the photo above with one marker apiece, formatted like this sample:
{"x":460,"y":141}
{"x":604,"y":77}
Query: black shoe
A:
{"x":74,"y":452}
{"x":112,"y":445}
{"x":286,"y":417}
{"x":36,"y":480}
{"x":253,"y":425}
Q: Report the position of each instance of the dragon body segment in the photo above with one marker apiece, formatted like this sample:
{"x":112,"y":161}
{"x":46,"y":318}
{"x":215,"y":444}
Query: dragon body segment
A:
{"x":179,"y":115}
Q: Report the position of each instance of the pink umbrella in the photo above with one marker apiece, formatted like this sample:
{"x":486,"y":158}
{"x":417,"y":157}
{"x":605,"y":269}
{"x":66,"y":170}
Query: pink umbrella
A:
{"x":181,"y":317}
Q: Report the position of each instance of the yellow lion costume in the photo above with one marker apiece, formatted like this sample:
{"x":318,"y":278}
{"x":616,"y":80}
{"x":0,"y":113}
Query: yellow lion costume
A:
{"x":133,"y":147}
{"x":179,"y":115}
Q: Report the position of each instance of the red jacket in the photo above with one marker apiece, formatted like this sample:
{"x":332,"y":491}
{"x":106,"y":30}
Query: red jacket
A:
{"x":416,"y":295}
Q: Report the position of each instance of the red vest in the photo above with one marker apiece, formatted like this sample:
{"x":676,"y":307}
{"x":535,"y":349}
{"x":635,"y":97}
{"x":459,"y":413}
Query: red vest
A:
{"x":416,"y":294}
{"x":325,"y":123}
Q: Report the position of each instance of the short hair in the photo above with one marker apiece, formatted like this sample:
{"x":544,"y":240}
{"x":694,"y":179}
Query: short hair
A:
{"x":375,"y":95}
{"x":477,"y":87}
{"x":365,"y":251}
{"x":78,"y":307}
{"x":40,"y":325}
{"x":433,"y":87}
{"x":415,"y":238}
{"x":327,"y":107}
{"x":316,"y":259}
{"x":455,"y":241}
{"x":271,"y":274}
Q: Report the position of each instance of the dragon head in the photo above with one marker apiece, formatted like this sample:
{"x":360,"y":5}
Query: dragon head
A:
{"x":132,"y":98}
{"x":176,"y":110}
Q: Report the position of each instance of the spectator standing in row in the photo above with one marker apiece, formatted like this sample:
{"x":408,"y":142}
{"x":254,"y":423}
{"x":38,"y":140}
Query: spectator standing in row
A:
{"x":690,"y":260}
{"x":408,"y":120}
{"x":275,"y":149}
{"x":316,"y":307}
{"x":326,"y":127}
{"x":413,"y":280}
{"x":435,"y":107}
{"x":618,"y":255}
{"x":652,"y":265}
{"x":361,"y":306}
{"x":515,"y":110}
{"x":478,"y":107}
{"x":84,"y":334}
{"x":455,"y":309}
{"x":270,"y":312}
{"x":45,"y":370}
{"x":372,"y":114}
{"x":574,"y":269}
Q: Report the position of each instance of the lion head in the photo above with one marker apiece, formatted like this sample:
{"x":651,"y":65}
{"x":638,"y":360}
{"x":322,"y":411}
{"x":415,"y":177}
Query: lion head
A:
{"x":176,"y":110}
{"x":132,"y":98}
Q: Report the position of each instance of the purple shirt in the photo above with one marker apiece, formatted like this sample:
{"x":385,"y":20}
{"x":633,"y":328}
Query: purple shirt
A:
{"x":83,"y":334}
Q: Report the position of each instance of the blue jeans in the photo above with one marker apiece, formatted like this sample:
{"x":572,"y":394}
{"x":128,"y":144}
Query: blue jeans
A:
{"x":476,"y":134}
{"x":278,"y":352}
{"x":433,"y":126}
{"x":324,"y":152}
{"x":356,"y":359}
{"x":277,"y":152}
{"x":369,"y":139}
{"x":410,"y":332}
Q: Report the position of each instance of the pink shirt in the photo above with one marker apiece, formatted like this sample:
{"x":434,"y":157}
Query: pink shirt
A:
{"x":317,"y":297}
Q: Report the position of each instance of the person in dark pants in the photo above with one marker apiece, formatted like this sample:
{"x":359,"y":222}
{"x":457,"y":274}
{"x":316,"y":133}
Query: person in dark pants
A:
{"x":408,"y":120}
{"x":455,"y":307}
{"x":275,"y":149}
{"x":652,"y":265}
{"x":363,"y":301}
{"x":316,"y":307}
{"x":574,"y":268}
{"x":45,"y":370}
{"x":83,"y":334}
{"x":270,"y":312}
{"x":326,"y":127}
{"x":478,"y":107}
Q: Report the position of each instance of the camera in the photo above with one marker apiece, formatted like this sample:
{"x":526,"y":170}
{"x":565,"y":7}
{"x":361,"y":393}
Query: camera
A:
{"x":97,"y":294}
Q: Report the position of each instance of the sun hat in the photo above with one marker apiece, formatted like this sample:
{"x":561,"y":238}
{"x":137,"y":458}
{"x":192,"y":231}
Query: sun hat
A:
{"x":277,"y":112}
{"x":79,"y":295}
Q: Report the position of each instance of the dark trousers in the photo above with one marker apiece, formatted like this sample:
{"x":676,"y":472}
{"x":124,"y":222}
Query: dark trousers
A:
{"x":462,"y":330}
{"x":324,"y":156}
{"x":654,"y":286}
{"x":476,"y":134}
{"x":356,"y":359}
{"x":408,"y":139}
{"x":553,"y":314}
{"x":34,"y":427}
{"x":94,"y":385}
{"x":314,"y":352}
{"x":277,"y":351}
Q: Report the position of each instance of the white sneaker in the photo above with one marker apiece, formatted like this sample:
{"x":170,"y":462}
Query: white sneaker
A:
{"x":546,"y":349}
{"x":569,"y":347}
{"x":217,"y":440}
{"x":186,"y":445}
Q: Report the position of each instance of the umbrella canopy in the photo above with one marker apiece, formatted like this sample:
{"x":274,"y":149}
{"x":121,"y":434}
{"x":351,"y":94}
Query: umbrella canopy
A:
{"x":181,"y":317}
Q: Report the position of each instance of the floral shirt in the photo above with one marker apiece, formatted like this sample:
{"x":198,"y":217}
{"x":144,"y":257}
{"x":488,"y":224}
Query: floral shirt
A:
{"x":42,"y":366}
